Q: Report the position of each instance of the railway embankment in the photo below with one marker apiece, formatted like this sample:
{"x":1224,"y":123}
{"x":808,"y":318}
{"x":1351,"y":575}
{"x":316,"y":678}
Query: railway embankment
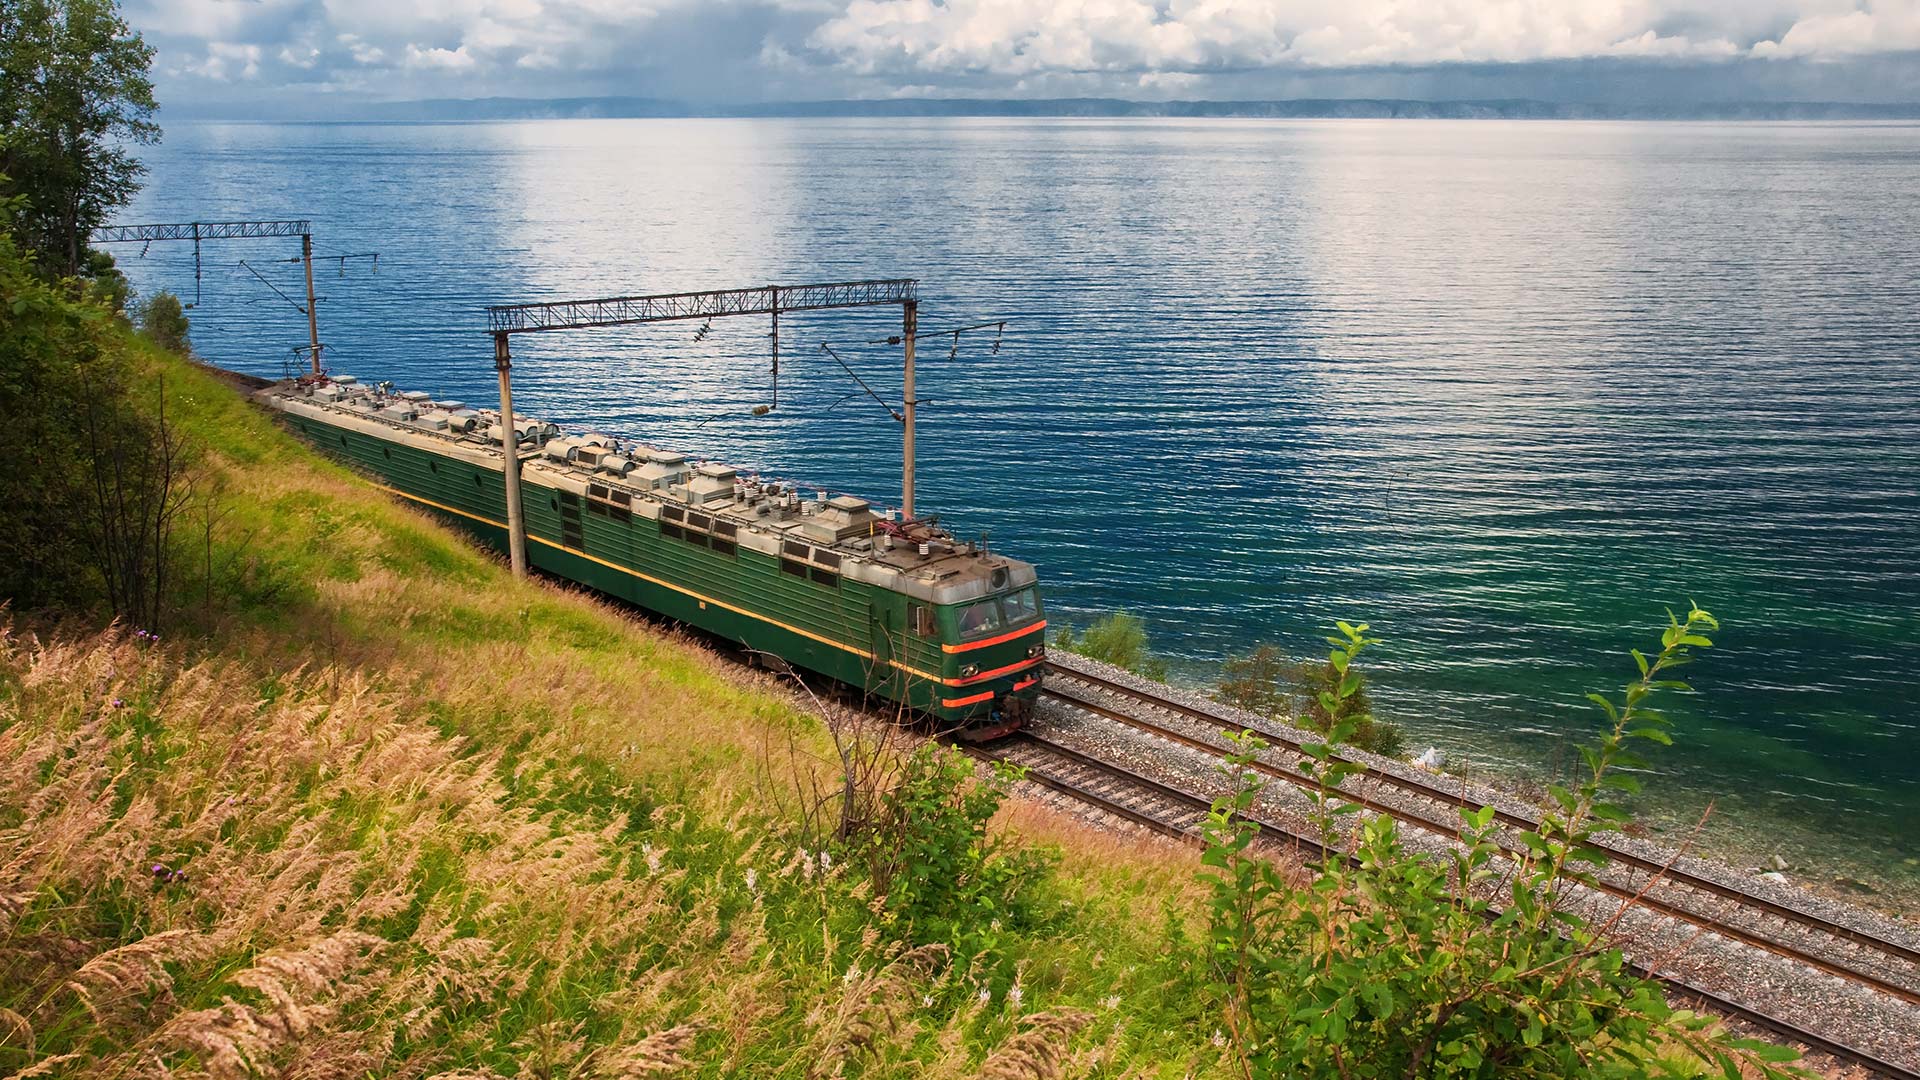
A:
{"x":366,"y":803}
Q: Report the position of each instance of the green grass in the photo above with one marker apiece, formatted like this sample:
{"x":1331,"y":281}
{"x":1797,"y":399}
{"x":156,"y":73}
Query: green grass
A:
{"x":434,"y":819}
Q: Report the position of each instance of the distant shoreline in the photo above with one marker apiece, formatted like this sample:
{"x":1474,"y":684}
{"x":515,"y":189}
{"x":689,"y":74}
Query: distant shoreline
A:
{"x":462,"y":110}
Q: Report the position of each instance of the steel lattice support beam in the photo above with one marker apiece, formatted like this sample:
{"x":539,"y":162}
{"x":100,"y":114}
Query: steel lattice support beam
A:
{"x":197,"y":231}
{"x":665,"y":307}
{"x":200,"y":230}
{"x":507,"y":319}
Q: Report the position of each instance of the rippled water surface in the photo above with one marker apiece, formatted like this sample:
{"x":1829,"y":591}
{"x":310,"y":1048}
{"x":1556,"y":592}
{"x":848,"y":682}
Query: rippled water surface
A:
{"x":1505,"y":390}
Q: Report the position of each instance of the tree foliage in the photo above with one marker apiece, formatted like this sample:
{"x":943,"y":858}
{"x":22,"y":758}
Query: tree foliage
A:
{"x":97,"y":476}
{"x":74,"y":95}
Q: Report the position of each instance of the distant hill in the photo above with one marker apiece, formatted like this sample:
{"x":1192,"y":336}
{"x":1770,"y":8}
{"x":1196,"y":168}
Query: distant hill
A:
{"x":505,"y":108}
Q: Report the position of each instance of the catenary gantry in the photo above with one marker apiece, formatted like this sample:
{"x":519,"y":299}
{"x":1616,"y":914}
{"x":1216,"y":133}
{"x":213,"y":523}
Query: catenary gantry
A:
{"x":505,"y":320}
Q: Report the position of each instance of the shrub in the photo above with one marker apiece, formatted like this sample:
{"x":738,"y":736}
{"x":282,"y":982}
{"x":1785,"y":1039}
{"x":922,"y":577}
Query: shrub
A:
{"x":1265,"y":682}
{"x":165,"y":321}
{"x":1391,"y":964}
{"x":941,"y":876}
{"x":1119,"y":639}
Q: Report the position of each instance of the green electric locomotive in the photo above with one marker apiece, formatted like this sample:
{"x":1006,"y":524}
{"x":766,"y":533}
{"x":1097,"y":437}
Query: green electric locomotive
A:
{"x":897,"y":608}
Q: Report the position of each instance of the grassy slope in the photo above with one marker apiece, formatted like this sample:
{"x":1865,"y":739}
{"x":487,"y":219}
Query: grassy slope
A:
{"x":431,"y":819}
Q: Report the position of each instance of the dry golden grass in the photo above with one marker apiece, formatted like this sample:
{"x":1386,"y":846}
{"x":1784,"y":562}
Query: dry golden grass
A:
{"x":172,"y":838}
{"x":211,"y":871}
{"x":1039,"y":1051}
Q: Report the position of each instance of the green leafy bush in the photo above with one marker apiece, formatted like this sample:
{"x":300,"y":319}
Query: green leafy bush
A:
{"x":940,"y":876}
{"x":165,"y":321}
{"x":1265,"y":682}
{"x":1119,"y":639}
{"x":1395,"y":965}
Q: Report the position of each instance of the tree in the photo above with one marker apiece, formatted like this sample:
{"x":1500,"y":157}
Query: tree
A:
{"x":98,"y":475}
{"x":74,"y":92}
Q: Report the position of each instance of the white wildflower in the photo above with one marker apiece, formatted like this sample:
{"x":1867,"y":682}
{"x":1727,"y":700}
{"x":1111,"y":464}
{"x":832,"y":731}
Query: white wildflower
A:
{"x":826,"y":862}
{"x":653,"y":856}
{"x":853,"y":972}
{"x":1219,"y":1039}
{"x":926,"y":1001}
{"x":1112,"y":1001}
{"x":985,"y":995}
{"x":1014,"y":994}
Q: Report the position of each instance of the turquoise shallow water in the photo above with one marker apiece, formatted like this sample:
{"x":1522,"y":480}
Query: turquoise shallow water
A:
{"x":1505,"y":390}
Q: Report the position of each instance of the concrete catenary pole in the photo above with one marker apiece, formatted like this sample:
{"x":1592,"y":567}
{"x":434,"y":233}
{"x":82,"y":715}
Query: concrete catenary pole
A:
{"x":313,"y":317}
{"x":510,"y":460}
{"x":910,"y":318}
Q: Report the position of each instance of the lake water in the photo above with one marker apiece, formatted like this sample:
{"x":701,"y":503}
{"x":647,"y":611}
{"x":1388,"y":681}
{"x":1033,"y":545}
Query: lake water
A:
{"x":1504,"y":390}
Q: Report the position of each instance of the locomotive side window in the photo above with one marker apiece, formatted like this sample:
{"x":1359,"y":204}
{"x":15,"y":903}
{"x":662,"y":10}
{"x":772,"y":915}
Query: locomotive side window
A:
{"x":920,"y":618}
{"x":980,"y":618}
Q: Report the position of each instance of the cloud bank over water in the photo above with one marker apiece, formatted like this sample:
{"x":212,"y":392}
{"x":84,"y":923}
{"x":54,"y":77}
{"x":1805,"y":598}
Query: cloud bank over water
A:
{"x":772,"y":50}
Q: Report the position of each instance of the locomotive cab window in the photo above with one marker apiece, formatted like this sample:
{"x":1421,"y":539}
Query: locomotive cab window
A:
{"x":1015,"y":609}
{"x":1020,"y":607}
{"x":980,"y":618}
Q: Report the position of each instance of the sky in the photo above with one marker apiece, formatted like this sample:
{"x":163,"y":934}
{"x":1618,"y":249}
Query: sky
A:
{"x":241,"y":55}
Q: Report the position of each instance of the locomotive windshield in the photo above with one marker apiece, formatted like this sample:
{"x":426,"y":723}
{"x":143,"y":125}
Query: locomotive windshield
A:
{"x":983,"y":617}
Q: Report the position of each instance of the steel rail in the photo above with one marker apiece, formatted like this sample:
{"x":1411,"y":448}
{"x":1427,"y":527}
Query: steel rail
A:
{"x":1675,"y":985}
{"x":1268,"y":831}
{"x":1636,"y":897}
{"x":1782,"y":911}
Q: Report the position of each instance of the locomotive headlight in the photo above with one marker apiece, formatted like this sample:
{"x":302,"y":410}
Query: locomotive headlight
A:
{"x":1034,"y":651}
{"x":970,"y":671}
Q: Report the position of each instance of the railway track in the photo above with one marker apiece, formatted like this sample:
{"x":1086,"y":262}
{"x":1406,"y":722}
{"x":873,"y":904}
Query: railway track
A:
{"x":1096,"y":782}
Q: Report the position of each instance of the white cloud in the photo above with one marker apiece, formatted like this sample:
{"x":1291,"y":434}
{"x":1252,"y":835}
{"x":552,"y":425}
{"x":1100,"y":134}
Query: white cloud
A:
{"x":227,"y":60}
{"x":1019,"y":37}
{"x":441,"y":59}
{"x":1169,"y":82}
{"x":361,"y":52}
{"x":991,"y":47}
{"x":1885,"y":26}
